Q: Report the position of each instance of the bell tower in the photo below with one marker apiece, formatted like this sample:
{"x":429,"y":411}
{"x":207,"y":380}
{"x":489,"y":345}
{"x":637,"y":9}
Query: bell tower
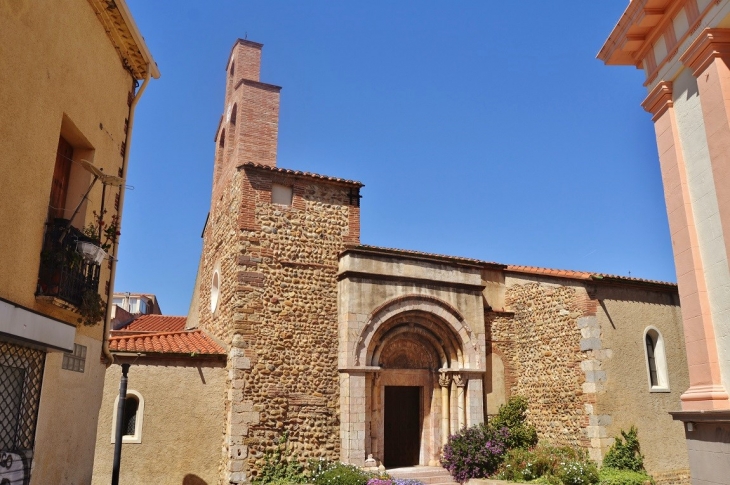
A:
{"x":248,"y":129}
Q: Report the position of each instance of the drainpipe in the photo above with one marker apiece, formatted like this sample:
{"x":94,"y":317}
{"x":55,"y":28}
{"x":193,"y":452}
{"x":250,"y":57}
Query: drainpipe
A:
{"x":122,"y":191}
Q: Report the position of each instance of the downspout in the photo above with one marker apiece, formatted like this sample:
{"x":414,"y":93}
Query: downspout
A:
{"x":122,"y":191}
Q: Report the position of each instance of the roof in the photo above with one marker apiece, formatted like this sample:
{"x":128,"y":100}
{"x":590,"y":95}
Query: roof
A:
{"x":584,"y":275}
{"x":186,"y":342}
{"x":155,"y":323}
{"x":298,"y":173}
{"x":123,"y":33}
{"x":535,"y":270}
{"x":419,"y":254}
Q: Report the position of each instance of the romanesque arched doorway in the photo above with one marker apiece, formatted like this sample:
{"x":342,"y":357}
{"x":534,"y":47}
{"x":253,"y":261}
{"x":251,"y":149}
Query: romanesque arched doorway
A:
{"x":415,"y":376}
{"x":410,"y":416}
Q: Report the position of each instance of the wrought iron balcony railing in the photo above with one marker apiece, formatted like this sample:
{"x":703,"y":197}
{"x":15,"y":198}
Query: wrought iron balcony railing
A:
{"x":64,"y":273}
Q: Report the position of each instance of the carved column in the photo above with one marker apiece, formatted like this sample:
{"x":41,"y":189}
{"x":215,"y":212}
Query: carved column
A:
{"x":376,"y":422}
{"x":460,"y":382}
{"x":444,"y":382}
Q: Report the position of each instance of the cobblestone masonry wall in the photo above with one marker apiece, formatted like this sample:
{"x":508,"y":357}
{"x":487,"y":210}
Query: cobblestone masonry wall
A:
{"x":283,"y":374}
{"x":544,"y":361}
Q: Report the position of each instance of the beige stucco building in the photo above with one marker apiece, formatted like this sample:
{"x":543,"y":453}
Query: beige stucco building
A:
{"x":684,"y":49}
{"x":70,"y":73}
{"x":174,"y":414}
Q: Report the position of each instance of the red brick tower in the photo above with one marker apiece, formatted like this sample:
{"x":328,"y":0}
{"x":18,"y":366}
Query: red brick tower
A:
{"x":267,"y":283}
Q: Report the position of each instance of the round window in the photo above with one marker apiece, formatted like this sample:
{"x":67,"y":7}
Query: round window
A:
{"x":215,"y":286}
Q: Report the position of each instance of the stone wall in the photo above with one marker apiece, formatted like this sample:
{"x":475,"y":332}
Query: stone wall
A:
{"x":540,"y":345}
{"x":279,"y":313}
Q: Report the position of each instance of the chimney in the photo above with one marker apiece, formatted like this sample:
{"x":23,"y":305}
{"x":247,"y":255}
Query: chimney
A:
{"x":249,"y":127}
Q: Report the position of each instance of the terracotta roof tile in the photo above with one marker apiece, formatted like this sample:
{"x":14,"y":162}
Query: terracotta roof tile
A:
{"x":410,"y":252}
{"x":156,"y":323}
{"x":560,"y":273}
{"x":301,"y":174}
{"x":187,"y":342}
{"x":582,"y":275}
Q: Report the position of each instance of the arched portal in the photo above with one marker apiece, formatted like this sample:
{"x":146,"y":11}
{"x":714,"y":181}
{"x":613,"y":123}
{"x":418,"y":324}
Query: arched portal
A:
{"x":410,"y":374}
{"x":408,"y":405}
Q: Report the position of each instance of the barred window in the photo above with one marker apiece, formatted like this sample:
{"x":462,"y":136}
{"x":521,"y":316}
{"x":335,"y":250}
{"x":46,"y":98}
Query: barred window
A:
{"x":131,"y":405}
{"x":76,"y":360}
{"x":21,"y":374}
{"x":132,"y":418}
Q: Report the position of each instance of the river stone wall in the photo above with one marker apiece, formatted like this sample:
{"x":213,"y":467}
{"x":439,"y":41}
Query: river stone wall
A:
{"x":279,"y":293}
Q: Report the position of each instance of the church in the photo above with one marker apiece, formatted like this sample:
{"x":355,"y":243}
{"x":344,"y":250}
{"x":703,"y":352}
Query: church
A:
{"x":297,"y":329}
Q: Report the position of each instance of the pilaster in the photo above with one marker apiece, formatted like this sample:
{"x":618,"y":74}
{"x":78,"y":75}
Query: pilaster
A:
{"x":706,"y":391}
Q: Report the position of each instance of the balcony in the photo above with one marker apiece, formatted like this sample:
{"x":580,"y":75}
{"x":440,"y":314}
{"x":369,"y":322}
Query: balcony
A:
{"x":64,"y":274}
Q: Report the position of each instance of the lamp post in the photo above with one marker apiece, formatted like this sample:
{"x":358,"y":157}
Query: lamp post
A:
{"x":119,"y":431}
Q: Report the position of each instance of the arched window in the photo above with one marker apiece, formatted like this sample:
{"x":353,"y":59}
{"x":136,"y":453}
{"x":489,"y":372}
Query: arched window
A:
{"x":131,"y":405}
{"x":656,"y":360}
{"x":222,"y":139}
{"x":233,"y":114}
{"x":131,"y":419}
{"x":232,"y":69}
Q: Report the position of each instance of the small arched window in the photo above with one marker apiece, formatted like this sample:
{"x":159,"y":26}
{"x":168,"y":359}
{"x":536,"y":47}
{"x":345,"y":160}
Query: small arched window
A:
{"x":131,"y":418}
{"x":656,"y":360}
{"x":232,"y":70}
{"x":222,"y":139}
{"x":129,"y":422}
{"x":233,"y":114}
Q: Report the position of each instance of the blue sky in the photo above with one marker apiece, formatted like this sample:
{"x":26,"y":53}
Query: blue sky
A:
{"x":482,"y":129}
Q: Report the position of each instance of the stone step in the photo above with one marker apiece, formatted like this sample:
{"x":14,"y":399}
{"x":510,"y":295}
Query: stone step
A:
{"x":427,"y":475}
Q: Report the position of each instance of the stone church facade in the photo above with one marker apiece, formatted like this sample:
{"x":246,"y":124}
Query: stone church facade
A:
{"x":353,"y":350}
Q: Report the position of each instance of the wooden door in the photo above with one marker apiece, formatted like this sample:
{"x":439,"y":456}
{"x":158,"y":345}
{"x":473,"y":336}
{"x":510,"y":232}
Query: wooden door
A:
{"x":61,"y":174}
{"x":402,"y":423}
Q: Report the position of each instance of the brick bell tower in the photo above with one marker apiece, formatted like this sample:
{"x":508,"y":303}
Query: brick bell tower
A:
{"x":267,"y":281}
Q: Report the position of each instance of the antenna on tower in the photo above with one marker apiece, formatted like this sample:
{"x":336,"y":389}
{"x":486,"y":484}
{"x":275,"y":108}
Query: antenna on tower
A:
{"x":245,"y":36}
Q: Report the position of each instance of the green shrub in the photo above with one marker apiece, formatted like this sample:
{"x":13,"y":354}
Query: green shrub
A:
{"x":549,"y":465}
{"x":279,"y":466}
{"x":512,"y":416}
{"x":611,"y":476}
{"x":625,"y":454}
{"x":341,"y":474}
{"x":578,"y":472}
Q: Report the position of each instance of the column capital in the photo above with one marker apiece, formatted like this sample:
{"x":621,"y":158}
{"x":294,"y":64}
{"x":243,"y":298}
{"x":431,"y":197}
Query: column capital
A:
{"x":444,"y":379}
{"x":709,"y":45}
{"x":459,"y":380}
{"x":659,"y":100}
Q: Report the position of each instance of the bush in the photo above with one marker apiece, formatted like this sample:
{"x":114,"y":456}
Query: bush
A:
{"x":611,"y":476}
{"x":279,"y":466}
{"x":578,"y":472}
{"x":548,"y":465}
{"x":625,"y":454}
{"x":341,"y":474}
{"x":474,"y":452}
{"x":512,"y":416}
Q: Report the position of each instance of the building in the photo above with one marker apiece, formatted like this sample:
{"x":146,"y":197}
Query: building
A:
{"x":174,"y":412}
{"x":340,"y":344}
{"x":684,"y":49}
{"x":70,"y":73}
{"x":126,"y":307}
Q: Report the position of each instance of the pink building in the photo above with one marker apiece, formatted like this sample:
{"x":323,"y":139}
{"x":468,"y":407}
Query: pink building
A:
{"x":683,"y":46}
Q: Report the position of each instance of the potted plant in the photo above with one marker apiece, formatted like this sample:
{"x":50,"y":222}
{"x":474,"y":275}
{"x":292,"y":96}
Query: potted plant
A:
{"x":102,"y":236}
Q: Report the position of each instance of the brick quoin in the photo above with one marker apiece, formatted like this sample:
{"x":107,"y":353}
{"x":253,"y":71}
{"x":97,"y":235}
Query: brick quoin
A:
{"x":277,"y":310}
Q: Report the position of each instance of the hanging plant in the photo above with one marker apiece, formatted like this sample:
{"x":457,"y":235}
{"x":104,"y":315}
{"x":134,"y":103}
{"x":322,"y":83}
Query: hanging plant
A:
{"x":92,"y":308}
{"x":104,"y":233}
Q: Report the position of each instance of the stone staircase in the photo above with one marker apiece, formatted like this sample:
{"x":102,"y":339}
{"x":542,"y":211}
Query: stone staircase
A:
{"x":429,"y":475}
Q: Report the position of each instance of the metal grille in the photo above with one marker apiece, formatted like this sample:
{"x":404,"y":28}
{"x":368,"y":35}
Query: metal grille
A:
{"x":130,"y":415}
{"x":21,"y":373}
{"x":63,"y":272}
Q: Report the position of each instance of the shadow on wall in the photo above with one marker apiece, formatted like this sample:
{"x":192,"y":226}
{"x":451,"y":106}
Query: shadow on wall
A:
{"x":191,"y":479}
